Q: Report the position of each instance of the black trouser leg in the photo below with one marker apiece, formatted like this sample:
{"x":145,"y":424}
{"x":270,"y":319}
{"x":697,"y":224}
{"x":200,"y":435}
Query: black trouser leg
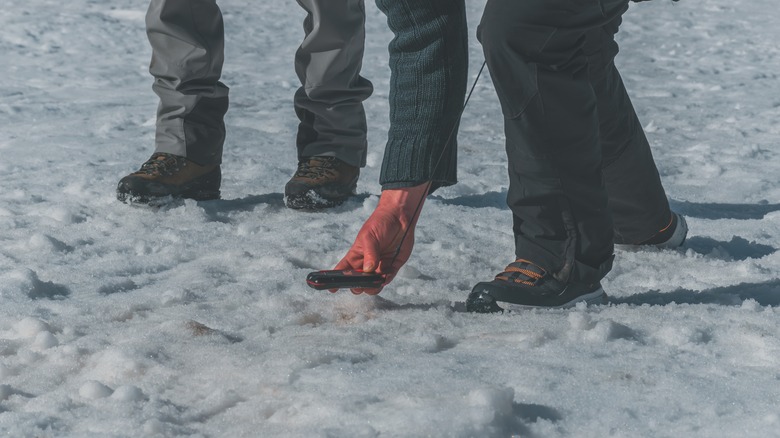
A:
{"x":535,"y":51}
{"x":637,"y":199}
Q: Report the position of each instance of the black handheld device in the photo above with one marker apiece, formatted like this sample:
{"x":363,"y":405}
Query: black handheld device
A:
{"x":346,"y":279}
{"x":355,"y":279}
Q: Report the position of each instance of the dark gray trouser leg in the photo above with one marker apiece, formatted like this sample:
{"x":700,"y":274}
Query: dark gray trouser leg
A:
{"x":637,"y":199}
{"x":428,"y":62}
{"x":329,"y":103}
{"x":553,"y":99}
{"x":187,"y":55}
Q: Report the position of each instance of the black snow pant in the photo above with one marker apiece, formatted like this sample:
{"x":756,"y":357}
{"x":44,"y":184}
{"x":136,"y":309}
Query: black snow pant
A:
{"x":582,"y":176}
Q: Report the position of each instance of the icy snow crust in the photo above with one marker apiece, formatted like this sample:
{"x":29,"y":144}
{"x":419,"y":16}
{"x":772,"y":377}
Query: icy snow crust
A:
{"x":194,"y":319}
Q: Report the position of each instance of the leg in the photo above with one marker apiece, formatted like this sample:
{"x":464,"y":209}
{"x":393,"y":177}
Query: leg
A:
{"x":557,"y":194}
{"x":567,"y":115}
{"x":428,"y":62}
{"x":637,"y":199}
{"x":563,"y":229}
{"x":187,"y":55}
{"x":329,"y":103}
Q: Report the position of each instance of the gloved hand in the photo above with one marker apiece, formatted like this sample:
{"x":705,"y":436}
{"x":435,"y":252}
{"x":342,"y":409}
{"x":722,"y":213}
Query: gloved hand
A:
{"x":377,"y":241}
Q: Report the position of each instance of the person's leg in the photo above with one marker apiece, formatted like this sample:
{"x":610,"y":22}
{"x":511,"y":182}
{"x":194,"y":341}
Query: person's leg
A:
{"x":331,"y":138}
{"x":428,"y":62}
{"x":562,"y":225}
{"x":534,"y":50}
{"x":187,"y":40}
{"x":329,"y":102}
{"x":637,"y":200}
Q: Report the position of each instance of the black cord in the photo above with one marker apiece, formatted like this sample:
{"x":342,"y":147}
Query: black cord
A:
{"x":438,"y":161}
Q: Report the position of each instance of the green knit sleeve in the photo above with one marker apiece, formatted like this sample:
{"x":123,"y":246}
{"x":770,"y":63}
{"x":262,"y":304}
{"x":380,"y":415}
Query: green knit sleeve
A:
{"x":428,"y":62}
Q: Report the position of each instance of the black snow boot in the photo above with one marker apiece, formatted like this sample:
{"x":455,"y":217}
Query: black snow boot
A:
{"x":524,"y":284}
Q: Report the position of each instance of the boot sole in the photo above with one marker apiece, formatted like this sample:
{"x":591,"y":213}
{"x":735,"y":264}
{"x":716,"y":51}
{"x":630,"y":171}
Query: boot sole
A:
{"x":485,"y":303}
{"x":311,"y":200}
{"x":597,"y":297}
{"x":129,"y":198}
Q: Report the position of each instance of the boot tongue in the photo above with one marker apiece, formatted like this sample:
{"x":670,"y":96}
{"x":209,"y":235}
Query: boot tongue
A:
{"x":320,"y":161}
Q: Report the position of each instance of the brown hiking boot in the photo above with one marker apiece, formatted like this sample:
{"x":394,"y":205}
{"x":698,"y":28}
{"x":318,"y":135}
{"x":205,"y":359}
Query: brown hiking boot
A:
{"x":321,"y":182}
{"x":171,"y":175}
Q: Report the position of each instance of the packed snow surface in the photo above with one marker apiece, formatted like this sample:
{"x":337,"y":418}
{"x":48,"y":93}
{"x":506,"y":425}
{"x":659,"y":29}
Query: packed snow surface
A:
{"x":194,"y":319}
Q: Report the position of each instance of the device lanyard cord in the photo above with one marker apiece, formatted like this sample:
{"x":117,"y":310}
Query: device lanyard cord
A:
{"x":447,"y":145}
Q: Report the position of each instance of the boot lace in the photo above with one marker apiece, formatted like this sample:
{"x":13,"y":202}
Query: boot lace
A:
{"x":162,"y":164}
{"x":523,"y":272}
{"x":317,"y":167}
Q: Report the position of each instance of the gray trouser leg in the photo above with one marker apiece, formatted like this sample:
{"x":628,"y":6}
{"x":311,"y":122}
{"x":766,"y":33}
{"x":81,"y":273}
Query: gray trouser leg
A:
{"x":187,"y":38}
{"x":329,"y":103}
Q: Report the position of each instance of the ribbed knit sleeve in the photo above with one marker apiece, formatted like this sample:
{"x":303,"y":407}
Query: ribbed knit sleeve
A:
{"x":428,"y":62}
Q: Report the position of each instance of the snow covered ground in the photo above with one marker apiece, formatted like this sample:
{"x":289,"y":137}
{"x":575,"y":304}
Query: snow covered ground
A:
{"x":194,"y":320}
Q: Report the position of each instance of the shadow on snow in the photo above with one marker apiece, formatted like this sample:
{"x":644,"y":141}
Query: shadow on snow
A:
{"x":723,"y":211}
{"x":766,"y":294}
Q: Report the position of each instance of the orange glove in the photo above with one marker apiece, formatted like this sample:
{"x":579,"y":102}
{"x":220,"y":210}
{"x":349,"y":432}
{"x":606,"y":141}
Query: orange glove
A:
{"x":377,"y":242}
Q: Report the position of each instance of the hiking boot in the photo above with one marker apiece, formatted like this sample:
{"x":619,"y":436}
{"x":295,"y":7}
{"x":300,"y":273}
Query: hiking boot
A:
{"x":524,"y":284}
{"x":672,"y":236}
{"x":171,"y":175}
{"x":321,"y":182}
